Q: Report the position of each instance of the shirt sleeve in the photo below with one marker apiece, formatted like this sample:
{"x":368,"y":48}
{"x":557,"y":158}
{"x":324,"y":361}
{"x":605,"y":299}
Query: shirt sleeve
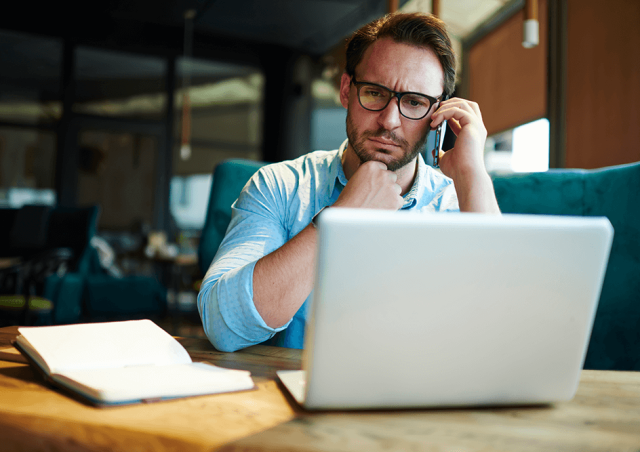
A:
{"x":225,"y":301}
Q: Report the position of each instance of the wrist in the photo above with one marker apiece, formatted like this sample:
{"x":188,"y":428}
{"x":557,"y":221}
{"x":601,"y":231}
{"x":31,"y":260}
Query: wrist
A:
{"x":475,"y":193}
{"x":470,"y":174}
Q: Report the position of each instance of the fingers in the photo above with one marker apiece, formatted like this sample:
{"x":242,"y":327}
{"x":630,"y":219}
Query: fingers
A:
{"x":372,"y":186}
{"x":476,"y":109}
{"x":394,"y":177}
{"x":454,"y":125}
{"x":461,"y":103}
{"x":465,"y":120}
{"x":461,"y":110}
{"x":462,"y":115}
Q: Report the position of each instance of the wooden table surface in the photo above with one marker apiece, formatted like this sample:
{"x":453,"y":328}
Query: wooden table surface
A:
{"x":604,"y":415}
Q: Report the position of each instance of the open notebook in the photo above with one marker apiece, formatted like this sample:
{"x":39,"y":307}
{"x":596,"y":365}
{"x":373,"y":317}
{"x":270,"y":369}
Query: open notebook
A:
{"x":115,"y":363}
{"x":414,"y":310}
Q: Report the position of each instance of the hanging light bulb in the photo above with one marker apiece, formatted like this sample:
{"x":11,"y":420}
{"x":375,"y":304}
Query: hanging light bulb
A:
{"x":185,"y":146}
{"x":531,"y":30}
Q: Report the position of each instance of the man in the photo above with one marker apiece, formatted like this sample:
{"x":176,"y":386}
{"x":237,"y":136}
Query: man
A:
{"x":399,"y":68}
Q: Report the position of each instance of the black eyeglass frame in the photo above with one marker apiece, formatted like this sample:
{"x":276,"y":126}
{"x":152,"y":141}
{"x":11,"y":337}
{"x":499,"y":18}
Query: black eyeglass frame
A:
{"x":396,"y":94}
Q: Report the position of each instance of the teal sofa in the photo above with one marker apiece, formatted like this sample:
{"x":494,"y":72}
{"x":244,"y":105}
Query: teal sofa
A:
{"x":86,"y":293}
{"x":229,"y":178}
{"x":613,"y":192}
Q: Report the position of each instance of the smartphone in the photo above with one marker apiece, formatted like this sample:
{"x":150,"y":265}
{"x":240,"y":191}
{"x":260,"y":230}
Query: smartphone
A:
{"x":438,"y":144}
{"x":439,"y":140}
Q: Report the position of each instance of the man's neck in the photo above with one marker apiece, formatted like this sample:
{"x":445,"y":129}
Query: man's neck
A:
{"x":406,"y":174}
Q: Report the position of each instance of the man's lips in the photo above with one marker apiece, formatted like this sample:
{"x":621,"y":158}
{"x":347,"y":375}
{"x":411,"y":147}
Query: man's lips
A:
{"x":384,"y":141}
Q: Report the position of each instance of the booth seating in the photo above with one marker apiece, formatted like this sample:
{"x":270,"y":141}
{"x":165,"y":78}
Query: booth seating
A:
{"x":28,"y":257}
{"x":613,"y":192}
{"x":85,"y":292}
{"x":97,"y":295}
{"x":229,"y":178}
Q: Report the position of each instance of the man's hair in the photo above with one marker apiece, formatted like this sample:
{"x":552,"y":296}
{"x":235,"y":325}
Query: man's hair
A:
{"x":416,"y":29}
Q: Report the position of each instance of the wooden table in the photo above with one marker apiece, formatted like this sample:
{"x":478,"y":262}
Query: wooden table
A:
{"x":604,"y":415}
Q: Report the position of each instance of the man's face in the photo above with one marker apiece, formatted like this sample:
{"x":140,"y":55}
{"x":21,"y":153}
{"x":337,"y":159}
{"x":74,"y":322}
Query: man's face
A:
{"x":387,"y":136}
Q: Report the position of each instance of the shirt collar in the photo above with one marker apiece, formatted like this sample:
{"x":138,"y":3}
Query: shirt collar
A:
{"x":415,"y":193}
{"x":336,"y":171}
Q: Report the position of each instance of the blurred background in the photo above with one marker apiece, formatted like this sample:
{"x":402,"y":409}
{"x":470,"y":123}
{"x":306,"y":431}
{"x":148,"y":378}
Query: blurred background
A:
{"x":129,"y":105}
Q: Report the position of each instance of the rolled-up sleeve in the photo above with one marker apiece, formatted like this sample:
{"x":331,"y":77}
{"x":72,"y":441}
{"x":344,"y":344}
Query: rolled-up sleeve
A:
{"x":225,"y":301}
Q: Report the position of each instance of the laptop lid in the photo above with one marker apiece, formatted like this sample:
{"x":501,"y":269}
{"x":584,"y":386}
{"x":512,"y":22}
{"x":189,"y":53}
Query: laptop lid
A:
{"x":415,"y":310}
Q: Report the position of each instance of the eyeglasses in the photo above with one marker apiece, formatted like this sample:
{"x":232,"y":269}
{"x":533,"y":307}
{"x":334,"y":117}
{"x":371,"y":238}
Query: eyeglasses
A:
{"x":374,"y":97}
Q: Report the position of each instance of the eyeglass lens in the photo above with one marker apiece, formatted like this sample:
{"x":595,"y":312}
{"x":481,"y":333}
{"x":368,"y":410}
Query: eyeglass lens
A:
{"x":376,"y":98}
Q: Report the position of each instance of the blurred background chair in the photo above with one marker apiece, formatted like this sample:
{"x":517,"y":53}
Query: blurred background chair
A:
{"x":229,"y":178}
{"x":29,"y":259}
{"x":50,"y":272}
{"x":88,"y":292}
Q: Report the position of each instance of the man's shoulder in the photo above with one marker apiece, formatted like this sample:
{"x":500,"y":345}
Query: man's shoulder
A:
{"x":313,"y":158}
{"x":297,"y":167}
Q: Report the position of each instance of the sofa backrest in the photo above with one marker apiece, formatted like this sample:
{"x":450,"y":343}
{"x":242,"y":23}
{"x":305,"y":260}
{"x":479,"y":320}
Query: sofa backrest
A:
{"x":73,"y":227}
{"x":613,"y":192}
{"x":229,"y":178}
{"x":33,"y":229}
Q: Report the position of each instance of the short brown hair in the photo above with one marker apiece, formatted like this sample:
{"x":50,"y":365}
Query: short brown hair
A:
{"x":417,"y":29}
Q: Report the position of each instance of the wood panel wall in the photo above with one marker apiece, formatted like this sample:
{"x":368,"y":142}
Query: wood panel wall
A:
{"x":603,"y":83}
{"x":508,"y":81}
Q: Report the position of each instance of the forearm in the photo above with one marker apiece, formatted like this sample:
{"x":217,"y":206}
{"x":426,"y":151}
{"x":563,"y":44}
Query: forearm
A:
{"x":283,"y":279}
{"x":475,"y":192}
{"x":225,"y":304}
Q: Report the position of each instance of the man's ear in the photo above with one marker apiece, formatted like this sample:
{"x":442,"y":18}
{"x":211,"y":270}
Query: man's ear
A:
{"x":345,"y":85}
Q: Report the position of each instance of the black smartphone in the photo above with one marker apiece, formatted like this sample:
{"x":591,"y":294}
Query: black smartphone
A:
{"x":439,"y":140}
{"x":438,"y":145}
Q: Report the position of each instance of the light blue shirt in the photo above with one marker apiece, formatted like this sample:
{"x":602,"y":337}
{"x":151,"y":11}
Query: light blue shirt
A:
{"x":277,"y":203}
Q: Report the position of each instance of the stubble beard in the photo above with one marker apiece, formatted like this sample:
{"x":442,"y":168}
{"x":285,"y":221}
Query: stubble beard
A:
{"x":358,"y":139}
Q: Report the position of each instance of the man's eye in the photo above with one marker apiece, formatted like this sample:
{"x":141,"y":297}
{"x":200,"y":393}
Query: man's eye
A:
{"x":416,"y":102}
{"x":374,"y":93}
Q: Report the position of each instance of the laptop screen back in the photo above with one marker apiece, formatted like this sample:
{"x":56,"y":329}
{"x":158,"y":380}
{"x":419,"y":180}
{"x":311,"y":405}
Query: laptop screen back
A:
{"x":414,"y":310}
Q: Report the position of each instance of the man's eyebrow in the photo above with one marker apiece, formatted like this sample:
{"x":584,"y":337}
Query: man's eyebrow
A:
{"x":404,"y":91}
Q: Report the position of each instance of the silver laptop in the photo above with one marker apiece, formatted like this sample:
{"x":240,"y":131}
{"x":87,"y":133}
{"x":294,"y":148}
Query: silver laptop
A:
{"x":415,"y":310}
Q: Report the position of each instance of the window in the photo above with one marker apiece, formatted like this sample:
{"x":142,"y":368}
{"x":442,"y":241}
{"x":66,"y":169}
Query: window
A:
{"x":328,"y":118}
{"x":30,"y":106}
{"x":119,"y":84}
{"x":27,"y":166}
{"x":521,"y":150}
{"x":30,"y":79}
{"x":226,"y":123}
{"x":188,"y":200}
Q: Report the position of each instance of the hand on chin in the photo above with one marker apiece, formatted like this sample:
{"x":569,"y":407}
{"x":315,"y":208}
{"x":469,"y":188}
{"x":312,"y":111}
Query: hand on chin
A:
{"x":377,"y":155}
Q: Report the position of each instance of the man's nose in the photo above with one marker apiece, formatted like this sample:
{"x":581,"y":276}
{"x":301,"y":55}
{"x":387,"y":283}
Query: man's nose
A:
{"x":389,"y":117}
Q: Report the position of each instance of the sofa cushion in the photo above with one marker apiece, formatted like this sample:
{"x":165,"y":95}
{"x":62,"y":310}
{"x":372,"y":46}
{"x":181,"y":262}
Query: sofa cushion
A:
{"x":138,"y":296}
